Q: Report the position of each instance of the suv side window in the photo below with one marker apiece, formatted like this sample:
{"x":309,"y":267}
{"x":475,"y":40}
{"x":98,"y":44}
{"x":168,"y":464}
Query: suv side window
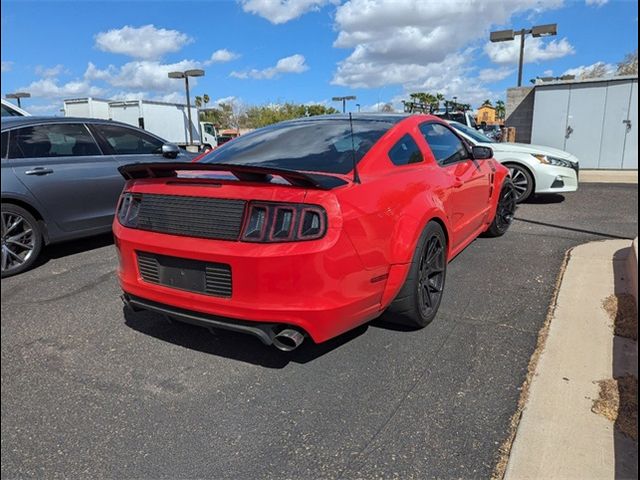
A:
{"x":126,"y":141}
{"x":54,"y":140}
{"x":445,"y":145}
{"x":405,"y":151}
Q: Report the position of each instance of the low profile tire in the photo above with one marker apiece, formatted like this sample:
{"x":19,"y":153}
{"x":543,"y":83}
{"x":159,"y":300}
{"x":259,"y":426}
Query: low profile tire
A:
{"x":522,"y":181}
{"x":21,"y":239}
{"x":505,"y":211}
{"x":419,"y":299}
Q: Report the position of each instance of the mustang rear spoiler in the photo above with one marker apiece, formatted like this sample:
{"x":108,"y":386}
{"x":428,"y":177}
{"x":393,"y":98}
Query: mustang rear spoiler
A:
{"x":248,"y":173}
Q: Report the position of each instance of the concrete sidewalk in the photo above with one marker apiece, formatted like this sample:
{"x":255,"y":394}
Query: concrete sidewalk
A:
{"x":608,"y":176}
{"x":558,"y":435}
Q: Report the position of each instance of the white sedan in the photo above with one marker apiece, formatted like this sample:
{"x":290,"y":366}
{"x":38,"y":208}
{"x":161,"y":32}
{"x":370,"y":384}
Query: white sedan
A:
{"x":534,"y":169}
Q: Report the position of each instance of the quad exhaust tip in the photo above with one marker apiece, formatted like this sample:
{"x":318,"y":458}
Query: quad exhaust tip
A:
{"x":288,"y":340}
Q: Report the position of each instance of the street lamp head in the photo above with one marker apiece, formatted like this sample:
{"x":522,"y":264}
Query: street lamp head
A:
{"x":176,"y":75}
{"x":545,"y":30}
{"x":196,"y":72}
{"x":340,"y":99}
{"x":18,"y":95}
{"x":502,"y":36}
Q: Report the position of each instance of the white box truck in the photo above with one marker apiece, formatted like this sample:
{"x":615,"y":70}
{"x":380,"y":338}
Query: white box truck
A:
{"x":169,"y":121}
{"x":87,"y":107}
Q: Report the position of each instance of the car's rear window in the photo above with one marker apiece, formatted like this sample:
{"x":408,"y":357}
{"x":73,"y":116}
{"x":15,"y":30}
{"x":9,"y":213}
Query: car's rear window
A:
{"x":323,"y":145}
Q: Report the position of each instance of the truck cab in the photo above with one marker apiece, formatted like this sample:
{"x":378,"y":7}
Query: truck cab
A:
{"x":209,"y":135}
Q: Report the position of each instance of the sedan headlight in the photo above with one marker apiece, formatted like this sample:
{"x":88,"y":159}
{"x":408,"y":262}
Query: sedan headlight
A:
{"x":555,"y":161}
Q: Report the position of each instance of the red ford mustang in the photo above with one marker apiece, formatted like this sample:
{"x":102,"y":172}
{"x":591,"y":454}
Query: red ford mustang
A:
{"x":309,"y":227}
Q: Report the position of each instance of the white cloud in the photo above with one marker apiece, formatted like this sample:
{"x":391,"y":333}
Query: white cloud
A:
{"x":604,"y":69}
{"x":49,"y":72}
{"x":142,"y":75}
{"x":50,"y":88}
{"x":420,"y":43}
{"x":293,"y":64}
{"x":535,"y":50}
{"x":489,"y":75}
{"x":45,"y":109}
{"x":146,"y":42}
{"x":548,"y":73}
{"x":228,"y":100}
{"x":596,"y":3}
{"x":6,"y":66}
{"x":221,"y":56}
{"x":282,"y":11}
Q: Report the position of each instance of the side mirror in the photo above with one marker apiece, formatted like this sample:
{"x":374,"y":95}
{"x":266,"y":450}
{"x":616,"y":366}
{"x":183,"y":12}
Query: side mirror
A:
{"x":481,"y":153}
{"x":170,"y":150}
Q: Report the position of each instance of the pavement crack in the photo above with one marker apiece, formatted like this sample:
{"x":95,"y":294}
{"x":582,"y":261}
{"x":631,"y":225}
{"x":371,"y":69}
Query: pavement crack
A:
{"x":361,"y":456}
{"x":101,"y":279}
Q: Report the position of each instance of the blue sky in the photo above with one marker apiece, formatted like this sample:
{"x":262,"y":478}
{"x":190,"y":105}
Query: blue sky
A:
{"x":263,"y":51}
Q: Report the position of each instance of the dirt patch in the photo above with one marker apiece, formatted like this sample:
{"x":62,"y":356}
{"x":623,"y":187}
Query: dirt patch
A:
{"x":623,"y":312}
{"x":505,"y":448}
{"x":618,"y":402}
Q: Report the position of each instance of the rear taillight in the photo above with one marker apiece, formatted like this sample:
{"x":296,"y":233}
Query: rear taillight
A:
{"x":128,"y":209}
{"x":283,"y":222}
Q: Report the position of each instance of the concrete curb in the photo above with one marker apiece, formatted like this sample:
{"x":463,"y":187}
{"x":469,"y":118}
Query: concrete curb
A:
{"x":609,"y":176}
{"x":558,"y":435}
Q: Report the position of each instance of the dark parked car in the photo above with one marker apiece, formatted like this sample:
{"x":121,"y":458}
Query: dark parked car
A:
{"x":60,"y":179}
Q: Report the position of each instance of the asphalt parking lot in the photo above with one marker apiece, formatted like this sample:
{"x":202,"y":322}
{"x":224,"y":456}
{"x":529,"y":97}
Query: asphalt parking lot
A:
{"x":90,"y":389}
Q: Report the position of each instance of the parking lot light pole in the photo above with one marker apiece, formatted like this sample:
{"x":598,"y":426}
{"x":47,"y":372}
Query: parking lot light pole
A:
{"x":186,"y":74}
{"x":509,"y":35}
{"x":344,"y":101}
{"x":18,"y":96}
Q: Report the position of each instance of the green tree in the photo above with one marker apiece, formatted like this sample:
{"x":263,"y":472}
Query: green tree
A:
{"x":205,"y":100}
{"x":487,"y":103}
{"x":198,"y":101}
{"x":500,"y":109}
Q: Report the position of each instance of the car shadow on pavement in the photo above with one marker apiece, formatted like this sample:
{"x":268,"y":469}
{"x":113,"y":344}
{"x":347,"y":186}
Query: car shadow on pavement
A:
{"x":544,"y":199}
{"x":232,"y":345}
{"x":73,"y":247}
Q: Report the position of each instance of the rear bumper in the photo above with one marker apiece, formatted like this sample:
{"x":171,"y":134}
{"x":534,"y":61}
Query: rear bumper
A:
{"x":265,"y":332}
{"x":320,"y":287}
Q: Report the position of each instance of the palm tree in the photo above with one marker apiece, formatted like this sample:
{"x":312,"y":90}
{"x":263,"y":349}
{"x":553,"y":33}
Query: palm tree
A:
{"x":205,"y":100}
{"x":500,"y":109}
{"x":198,"y":101}
{"x":487,"y":103}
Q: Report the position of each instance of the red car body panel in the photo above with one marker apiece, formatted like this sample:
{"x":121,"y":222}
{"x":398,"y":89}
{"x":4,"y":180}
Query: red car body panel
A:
{"x":336,"y":283}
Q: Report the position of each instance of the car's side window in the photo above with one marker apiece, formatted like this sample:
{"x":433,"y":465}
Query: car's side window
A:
{"x":4,"y":144}
{"x":54,"y":140}
{"x":126,"y":141}
{"x":405,"y":151}
{"x":445,"y":145}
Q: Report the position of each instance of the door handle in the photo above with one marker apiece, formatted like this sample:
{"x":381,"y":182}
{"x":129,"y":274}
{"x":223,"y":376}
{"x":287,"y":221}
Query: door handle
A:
{"x":569,"y":131}
{"x":627,"y":124}
{"x":39,"y":171}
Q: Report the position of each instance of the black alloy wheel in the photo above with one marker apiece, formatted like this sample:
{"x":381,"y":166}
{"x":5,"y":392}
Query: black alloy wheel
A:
{"x":431,"y":276}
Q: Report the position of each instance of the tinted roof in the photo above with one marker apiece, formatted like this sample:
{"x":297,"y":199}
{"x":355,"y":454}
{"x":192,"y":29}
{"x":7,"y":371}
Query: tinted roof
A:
{"x":12,"y":122}
{"x":379,"y":117}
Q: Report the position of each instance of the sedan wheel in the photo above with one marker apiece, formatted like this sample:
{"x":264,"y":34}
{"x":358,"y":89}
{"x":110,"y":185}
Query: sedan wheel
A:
{"x":21,"y":240}
{"x":522,"y":182}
